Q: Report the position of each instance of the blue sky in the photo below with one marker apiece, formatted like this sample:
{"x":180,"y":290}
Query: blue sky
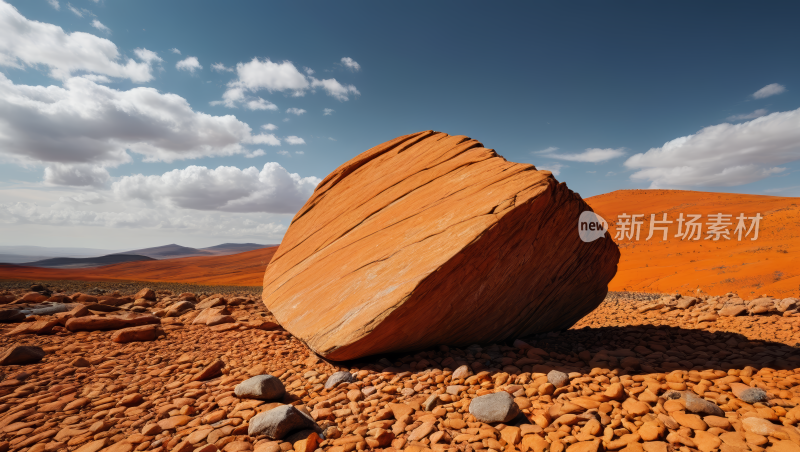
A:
{"x":126,"y":147}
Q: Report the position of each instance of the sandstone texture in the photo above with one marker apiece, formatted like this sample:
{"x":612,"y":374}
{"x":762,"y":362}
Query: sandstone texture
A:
{"x":433,"y":239}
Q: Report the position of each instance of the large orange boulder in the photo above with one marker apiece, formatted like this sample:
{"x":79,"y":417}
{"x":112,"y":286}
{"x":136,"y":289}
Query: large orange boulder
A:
{"x":433,"y":239}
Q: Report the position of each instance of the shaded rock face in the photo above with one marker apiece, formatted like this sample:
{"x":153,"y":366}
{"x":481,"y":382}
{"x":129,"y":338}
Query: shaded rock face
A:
{"x":432,"y":239}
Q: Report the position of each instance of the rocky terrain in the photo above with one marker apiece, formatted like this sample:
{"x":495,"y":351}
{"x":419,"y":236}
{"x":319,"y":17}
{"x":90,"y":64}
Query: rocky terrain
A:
{"x":433,"y":239}
{"x":209,"y":371}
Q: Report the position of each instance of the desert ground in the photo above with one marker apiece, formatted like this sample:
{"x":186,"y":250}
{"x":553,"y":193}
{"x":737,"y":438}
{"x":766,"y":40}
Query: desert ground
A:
{"x":770,"y":264}
{"x":642,"y":372}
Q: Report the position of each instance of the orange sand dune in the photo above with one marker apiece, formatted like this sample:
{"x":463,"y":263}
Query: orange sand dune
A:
{"x":769,"y":265}
{"x":243,"y":269}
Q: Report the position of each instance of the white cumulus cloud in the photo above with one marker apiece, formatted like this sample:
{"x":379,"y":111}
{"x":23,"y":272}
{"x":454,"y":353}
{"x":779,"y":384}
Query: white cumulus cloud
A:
{"x":75,"y":10}
{"x":723,"y":155}
{"x":328,"y":111}
{"x":97,"y":24}
{"x":29,"y":43}
{"x":54,"y":4}
{"x":291,"y":139}
{"x":269,"y":127}
{"x":295,"y":111}
{"x":219,"y":67}
{"x":351,"y":64}
{"x":335,"y":89}
{"x":175,"y":51}
{"x":254,"y":154}
{"x":190,"y":64}
{"x":265,"y":138}
{"x":226,"y":189}
{"x":147,"y":56}
{"x":78,"y":175}
{"x":257,"y":75}
{"x":769,"y":90}
{"x":743,"y":117}
{"x":260,"y":104}
{"x":83,"y":122}
{"x":591,"y":155}
{"x":554,"y":168}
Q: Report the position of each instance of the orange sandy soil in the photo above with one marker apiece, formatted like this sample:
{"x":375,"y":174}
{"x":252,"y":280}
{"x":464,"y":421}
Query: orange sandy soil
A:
{"x":243,"y":269}
{"x":769,"y":265}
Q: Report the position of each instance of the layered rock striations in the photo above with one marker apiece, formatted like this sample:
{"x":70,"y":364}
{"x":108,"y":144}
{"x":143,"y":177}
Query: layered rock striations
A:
{"x":433,"y":239}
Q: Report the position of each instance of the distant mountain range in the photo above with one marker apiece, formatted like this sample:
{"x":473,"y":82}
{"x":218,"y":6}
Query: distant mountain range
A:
{"x":84,"y":262}
{"x":36,"y":256}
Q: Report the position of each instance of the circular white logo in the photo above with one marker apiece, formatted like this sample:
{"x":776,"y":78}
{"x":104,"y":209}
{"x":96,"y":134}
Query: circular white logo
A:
{"x":591,"y":226}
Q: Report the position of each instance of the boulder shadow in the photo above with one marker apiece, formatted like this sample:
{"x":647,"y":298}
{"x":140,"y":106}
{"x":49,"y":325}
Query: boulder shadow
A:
{"x":635,"y":349}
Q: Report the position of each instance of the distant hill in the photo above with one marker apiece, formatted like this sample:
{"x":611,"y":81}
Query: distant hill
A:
{"x":174,"y":251}
{"x":232,"y":248}
{"x":20,"y":258}
{"x":20,"y":254}
{"x":243,"y":269}
{"x":170,"y":252}
{"x":769,"y":265}
{"x":87,"y":262}
{"x":44,"y":256}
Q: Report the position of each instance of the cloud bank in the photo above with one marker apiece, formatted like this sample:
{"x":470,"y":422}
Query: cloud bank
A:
{"x":723,"y":155}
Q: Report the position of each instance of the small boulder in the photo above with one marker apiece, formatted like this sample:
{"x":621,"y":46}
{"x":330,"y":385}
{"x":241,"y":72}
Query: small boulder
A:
{"x":145,"y":293}
{"x":179,"y":308}
{"x":21,"y":354}
{"x":211,"y":303}
{"x":219,"y":320}
{"x":686,"y":303}
{"x":462,"y":372}
{"x":212,"y":370}
{"x":263,"y":324}
{"x":733,"y":310}
{"x":276,"y":423}
{"x":650,"y":307}
{"x":35,"y":327}
{"x":748,"y":394}
{"x":760,"y":426}
{"x":115,"y":322}
{"x":557,"y":378}
{"x":34,"y":297}
{"x":137,"y":334}
{"x":11,"y":316}
{"x":494,"y":408}
{"x":788,"y":304}
{"x":339,"y":377}
{"x":97,"y":307}
{"x":83,"y":298}
{"x":263,"y":387}
{"x":80,"y":362}
{"x":695,"y":404}
{"x":208,"y":313}
{"x":59,"y":298}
